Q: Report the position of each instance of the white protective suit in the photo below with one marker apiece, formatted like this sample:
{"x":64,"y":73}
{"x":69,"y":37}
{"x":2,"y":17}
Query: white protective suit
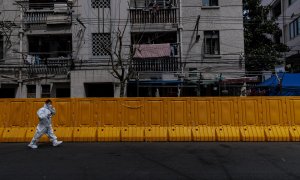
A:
{"x":45,"y":125}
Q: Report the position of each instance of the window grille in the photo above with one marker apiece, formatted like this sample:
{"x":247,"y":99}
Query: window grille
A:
{"x":101,"y":44}
{"x":101,"y":3}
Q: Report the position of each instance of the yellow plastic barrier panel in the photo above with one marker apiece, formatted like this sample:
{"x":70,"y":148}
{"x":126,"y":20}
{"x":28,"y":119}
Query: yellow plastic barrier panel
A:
{"x":109,"y":134}
{"x":156,"y":134}
{"x":133,"y":134}
{"x":251,"y":116}
{"x":228,"y":133}
{"x":157,"y":119}
{"x":85,"y":127}
{"x":85,"y":134}
{"x":14,"y":134}
{"x":275,"y":110}
{"x":180,"y":133}
{"x":252,"y":133}
{"x":294,"y":117}
{"x":204,"y":133}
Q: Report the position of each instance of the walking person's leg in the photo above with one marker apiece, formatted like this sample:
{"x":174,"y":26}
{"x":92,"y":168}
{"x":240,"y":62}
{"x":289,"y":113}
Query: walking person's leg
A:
{"x":52,"y":136}
{"x":38,"y":134}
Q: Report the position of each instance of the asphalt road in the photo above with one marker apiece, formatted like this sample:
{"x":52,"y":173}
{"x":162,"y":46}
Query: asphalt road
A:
{"x":151,"y":161}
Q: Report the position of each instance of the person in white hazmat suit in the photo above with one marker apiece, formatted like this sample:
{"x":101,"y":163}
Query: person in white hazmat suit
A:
{"x":45,"y":125}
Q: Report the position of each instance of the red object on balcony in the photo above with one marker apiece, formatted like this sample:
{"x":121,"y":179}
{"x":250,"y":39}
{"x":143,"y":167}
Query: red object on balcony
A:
{"x":152,"y":50}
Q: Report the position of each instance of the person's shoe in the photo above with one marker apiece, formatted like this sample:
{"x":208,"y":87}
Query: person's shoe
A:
{"x":56,"y":143}
{"x":32,"y":146}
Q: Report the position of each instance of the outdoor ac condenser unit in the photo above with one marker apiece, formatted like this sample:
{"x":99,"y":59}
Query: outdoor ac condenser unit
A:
{"x":61,"y":8}
{"x":58,"y":19}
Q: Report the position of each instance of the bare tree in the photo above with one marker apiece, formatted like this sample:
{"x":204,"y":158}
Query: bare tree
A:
{"x":6,"y":30}
{"x":122,"y":63}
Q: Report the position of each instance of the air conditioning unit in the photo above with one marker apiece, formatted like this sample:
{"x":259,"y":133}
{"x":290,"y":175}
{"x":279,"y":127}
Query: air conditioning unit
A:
{"x":58,"y":19}
{"x":61,"y":8}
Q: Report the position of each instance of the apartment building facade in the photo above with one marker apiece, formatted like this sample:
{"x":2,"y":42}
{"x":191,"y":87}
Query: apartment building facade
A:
{"x":287,"y":14}
{"x":63,"y":48}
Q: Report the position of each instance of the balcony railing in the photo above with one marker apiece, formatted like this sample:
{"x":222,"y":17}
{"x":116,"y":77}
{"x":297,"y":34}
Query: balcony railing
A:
{"x":56,"y":65}
{"x":163,"y":64}
{"x":142,"y":16}
{"x":46,"y":18}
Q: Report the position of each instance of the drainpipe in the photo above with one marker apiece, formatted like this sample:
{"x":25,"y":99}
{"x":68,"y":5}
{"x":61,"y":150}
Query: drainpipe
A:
{"x":21,"y":55}
{"x":180,"y":32}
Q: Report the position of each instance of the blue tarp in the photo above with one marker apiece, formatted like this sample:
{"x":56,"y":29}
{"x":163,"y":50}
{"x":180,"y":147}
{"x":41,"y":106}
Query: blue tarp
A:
{"x":290,"y":85}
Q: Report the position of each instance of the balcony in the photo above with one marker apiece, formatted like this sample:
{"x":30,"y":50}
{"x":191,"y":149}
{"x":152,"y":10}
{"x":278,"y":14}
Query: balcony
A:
{"x":53,"y":65}
{"x":45,"y":14}
{"x":156,"y":58}
{"x":152,"y":16}
{"x":46,"y":18}
{"x":163,"y":64}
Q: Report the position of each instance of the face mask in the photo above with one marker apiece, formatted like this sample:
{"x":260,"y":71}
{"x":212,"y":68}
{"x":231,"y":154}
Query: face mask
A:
{"x":49,"y":106}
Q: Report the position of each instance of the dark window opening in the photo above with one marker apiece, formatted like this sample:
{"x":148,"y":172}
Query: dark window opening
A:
{"x":46,"y":91}
{"x":140,"y":90}
{"x":31,"y":91}
{"x":41,"y":4}
{"x":63,"y":92}
{"x":7,"y":92}
{"x":212,"y":42}
{"x":210,"y":3}
{"x":50,"y":46}
{"x":99,"y":89}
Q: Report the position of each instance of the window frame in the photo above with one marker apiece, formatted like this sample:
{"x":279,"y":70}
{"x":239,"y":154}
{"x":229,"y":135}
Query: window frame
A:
{"x":31,"y":94}
{"x":294,"y":28}
{"x":100,"y":54}
{"x":211,"y":44}
{"x":210,"y":3}
{"x":44,"y":93}
{"x":291,"y":2}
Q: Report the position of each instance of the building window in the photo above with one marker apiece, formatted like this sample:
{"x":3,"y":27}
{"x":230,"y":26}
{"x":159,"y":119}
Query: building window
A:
{"x":292,"y":1}
{"x":101,"y":44}
{"x":101,"y":3}
{"x":212,"y":42}
{"x":210,"y":3}
{"x":1,"y":47}
{"x":31,"y":91}
{"x":160,"y":3}
{"x":45,"y":91}
{"x":294,"y":28}
{"x":298,"y":26}
{"x":44,"y":4}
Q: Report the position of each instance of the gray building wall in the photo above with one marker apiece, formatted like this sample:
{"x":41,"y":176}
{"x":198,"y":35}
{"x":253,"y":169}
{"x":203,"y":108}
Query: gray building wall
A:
{"x":228,"y":20}
{"x":225,"y":18}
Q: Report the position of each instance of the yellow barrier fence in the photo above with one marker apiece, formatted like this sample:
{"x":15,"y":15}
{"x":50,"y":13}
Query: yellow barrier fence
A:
{"x":157,"y":119}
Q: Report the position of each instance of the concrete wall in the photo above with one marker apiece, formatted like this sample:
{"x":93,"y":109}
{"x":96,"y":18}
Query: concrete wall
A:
{"x":227,"y":19}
